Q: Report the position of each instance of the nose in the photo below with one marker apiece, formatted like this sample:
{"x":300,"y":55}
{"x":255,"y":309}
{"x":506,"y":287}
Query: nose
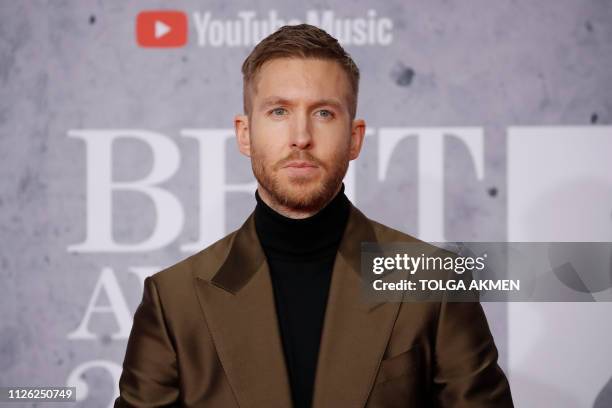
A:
{"x":302,"y":132}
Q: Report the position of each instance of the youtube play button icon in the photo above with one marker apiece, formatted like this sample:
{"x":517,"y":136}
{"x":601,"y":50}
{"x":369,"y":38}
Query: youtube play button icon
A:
{"x":161,"y":28}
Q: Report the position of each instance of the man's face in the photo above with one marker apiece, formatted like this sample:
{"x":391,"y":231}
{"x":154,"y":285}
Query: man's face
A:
{"x":299,"y":135}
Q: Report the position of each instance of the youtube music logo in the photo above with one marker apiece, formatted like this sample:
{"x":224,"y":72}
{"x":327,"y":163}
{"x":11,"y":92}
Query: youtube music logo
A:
{"x":161,"y":28}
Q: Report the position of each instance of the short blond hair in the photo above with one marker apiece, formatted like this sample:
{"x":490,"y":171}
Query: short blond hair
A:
{"x":298,"y":41}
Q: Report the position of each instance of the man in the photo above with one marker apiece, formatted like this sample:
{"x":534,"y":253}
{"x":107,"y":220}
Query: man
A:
{"x":272,"y":315}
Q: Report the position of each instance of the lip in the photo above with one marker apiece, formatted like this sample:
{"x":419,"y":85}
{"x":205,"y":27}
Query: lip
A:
{"x":301,"y":164}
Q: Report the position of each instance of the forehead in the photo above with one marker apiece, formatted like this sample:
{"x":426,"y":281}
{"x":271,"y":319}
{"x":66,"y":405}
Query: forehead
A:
{"x":301,"y":78}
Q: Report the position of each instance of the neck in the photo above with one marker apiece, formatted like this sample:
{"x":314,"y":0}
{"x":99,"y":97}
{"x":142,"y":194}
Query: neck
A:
{"x":302,"y":236}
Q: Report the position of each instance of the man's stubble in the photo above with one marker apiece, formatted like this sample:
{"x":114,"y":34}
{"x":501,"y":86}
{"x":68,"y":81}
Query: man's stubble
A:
{"x":300,"y":193}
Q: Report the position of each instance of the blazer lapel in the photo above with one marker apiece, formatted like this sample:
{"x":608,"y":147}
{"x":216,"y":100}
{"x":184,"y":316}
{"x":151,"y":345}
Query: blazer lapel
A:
{"x":238,"y":303}
{"x":355,"y":333}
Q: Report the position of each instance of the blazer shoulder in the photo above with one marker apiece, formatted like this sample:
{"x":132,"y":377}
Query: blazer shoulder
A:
{"x":204,"y":263}
{"x":386,"y":234}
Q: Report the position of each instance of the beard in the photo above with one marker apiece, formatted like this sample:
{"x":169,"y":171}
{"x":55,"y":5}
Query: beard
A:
{"x":300,"y":193}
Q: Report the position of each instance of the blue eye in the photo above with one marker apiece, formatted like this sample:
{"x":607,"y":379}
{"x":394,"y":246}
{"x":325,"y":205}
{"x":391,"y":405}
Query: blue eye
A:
{"x":276,"y":110}
{"x":328,"y":114}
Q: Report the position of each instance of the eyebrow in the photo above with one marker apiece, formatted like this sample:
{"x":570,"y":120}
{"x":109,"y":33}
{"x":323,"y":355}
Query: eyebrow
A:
{"x":277,"y":100}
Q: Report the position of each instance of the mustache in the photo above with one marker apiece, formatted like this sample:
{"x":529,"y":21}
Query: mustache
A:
{"x":299,"y":155}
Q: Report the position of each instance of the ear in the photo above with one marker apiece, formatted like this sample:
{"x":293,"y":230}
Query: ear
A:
{"x":243,"y":135}
{"x":357,"y":133}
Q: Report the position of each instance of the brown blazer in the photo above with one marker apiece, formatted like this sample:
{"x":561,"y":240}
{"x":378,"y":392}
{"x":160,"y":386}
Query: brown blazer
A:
{"x":206,"y":335}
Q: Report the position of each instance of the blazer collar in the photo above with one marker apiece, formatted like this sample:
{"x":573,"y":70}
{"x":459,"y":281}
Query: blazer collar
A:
{"x":246,"y":255}
{"x":238,"y":304}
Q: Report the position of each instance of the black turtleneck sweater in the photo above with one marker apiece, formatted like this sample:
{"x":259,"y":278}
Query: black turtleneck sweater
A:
{"x":301,"y":254}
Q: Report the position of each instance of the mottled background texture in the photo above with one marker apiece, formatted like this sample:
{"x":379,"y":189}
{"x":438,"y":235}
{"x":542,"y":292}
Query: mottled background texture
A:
{"x":486,"y":120}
